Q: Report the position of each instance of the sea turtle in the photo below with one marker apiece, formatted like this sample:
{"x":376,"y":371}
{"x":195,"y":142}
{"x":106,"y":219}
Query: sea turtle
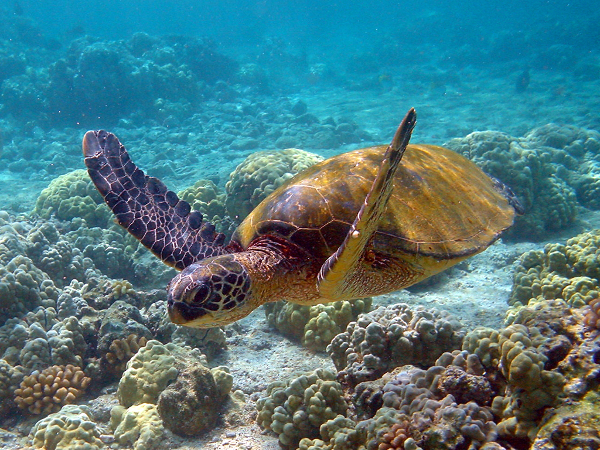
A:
{"x":355,"y":225}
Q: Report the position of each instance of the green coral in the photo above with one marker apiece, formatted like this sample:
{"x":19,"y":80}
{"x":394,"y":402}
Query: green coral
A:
{"x":570,"y":272}
{"x":298,"y":408}
{"x":205,"y":196}
{"x":139,"y":425}
{"x":73,"y":195}
{"x":314,"y":325}
{"x":260,"y":174}
{"x":517,"y":352}
{"x":151,"y":370}
{"x":545,"y":169}
{"x":71,"y":427}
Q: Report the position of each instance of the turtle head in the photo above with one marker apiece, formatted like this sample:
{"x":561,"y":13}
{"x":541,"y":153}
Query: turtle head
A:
{"x":209,"y":293}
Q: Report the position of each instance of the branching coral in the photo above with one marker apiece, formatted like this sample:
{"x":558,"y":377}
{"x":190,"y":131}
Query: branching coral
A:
{"x":121,"y":350}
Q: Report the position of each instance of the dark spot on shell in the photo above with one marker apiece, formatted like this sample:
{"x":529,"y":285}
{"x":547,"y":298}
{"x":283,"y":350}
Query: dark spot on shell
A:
{"x":182,"y":208}
{"x":171,"y":198}
{"x":195,"y":220}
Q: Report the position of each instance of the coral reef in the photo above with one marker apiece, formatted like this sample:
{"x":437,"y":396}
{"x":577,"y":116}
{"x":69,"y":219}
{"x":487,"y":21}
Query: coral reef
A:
{"x":506,"y":387}
{"x":315,"y":326}
{"x":139,"y":426}
{"x":193,"y":403}
{"x":260,"y":174}
{"x":298,"y":408}
{"x":592,"y":314}
{"x":390,"y":337}
{"x":205,"y":196}
{"x":46,"y":391}
{"x":73,"y":195}
{"x":120,"y":352}
{"x":549,"y":169}
{"x":71,"y":427}
{"x":570,"y":272}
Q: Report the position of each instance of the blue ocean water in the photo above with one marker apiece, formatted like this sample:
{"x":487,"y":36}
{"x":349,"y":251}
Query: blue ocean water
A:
{"x":195,"y":91}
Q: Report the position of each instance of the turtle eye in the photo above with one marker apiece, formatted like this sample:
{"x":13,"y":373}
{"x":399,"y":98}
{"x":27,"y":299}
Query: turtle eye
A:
{"x":202,"y":293}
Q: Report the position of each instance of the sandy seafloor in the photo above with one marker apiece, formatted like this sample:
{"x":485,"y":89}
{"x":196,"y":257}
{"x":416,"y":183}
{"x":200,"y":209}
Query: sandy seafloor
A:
{"x":476,"y":291}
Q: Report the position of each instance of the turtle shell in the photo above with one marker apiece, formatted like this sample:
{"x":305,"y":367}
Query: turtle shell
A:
{"x":442,"y":205}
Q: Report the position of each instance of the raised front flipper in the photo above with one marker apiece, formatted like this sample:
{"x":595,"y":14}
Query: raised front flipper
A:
{"x":340,"y":277}
{"x":145,"y":207}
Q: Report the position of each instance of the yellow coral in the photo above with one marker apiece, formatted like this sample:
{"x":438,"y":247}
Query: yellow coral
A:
{"x":72,"y":195}
{"x":205,"y":196}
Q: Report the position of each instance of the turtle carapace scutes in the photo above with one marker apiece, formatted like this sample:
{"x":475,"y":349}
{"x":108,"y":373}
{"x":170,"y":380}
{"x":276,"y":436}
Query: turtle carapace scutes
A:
{"x":359,"y":224}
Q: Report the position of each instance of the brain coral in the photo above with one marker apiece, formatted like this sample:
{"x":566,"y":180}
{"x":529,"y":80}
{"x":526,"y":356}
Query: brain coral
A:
{"x":314,"y":325}
{"x":390,"y":337}
{"x":260,"y":174}
{"x":549,"y":169}
{"x":298,"y":408}
{"x":70,"y":428}
{"x":570,"y":272}
{"x":73,"y":195}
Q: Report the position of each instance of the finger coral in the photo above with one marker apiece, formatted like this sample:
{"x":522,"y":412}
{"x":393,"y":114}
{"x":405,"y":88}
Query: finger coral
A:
{"x":47,"y":391}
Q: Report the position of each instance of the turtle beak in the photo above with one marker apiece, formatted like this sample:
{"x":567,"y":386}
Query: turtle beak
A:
{"x":175,"y":314}
{"x":181,"y":313}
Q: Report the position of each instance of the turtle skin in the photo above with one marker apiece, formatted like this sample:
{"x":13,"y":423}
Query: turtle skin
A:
{"x":359,"y":224}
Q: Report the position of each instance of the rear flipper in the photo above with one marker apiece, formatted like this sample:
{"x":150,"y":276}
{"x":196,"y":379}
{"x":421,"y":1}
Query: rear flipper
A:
{"x":145,"y":207}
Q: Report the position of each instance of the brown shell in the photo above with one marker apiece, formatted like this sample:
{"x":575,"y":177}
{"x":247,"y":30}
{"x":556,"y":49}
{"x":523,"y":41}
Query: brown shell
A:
{"x":442,"y":205}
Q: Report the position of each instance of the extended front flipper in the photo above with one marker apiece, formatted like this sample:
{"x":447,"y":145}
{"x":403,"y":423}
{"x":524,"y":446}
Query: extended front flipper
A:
{"x":145,"y":207}
{"x":339,"y":275}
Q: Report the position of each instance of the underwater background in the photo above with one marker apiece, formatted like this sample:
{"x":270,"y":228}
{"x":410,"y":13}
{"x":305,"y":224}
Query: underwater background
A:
{"x":225,"y":101}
